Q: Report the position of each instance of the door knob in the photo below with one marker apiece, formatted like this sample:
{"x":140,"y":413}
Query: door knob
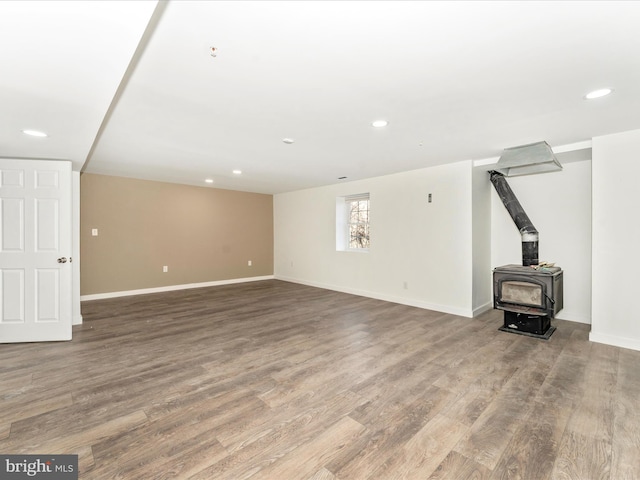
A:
{"x":62,"y":260}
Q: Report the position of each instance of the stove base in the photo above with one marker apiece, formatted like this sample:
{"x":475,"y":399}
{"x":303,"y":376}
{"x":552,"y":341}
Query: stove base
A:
{"x":534,"y":335}
{"x":538,"y":326}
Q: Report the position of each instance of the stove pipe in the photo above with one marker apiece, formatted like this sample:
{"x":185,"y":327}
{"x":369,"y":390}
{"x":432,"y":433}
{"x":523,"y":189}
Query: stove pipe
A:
{"x":527,"y":230}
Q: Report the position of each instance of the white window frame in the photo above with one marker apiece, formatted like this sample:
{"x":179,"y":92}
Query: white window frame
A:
{"x":343,"y":223}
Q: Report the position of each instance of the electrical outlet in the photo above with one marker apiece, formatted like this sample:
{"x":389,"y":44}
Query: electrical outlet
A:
{"x":94,"y":232}
{"x":249,"y":263}
{"x":165,"y":269}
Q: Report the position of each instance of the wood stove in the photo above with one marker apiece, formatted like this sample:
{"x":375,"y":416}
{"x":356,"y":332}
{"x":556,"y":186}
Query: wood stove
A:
{"x":530,"y":297}
{"x":529,"y":294}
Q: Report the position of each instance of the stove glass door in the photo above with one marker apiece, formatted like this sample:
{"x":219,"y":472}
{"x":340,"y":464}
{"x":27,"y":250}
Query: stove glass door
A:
{"x":522,"y":293}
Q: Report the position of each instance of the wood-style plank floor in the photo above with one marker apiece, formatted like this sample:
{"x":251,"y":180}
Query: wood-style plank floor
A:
{"x":273,"y":380}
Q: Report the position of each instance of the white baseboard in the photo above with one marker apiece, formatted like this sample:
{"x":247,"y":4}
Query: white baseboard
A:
{"x":482,"y":308}
{"x":630,"y":343}
{"x":571,"y":316}
{"x":171,"y":288}
{"x":381,"y":296}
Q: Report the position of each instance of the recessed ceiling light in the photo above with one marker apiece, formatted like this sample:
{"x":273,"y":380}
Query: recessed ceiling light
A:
{"x":34,"y":133}
{"x":209,"y":180}
{"x":288,"y":141}
{"x":237,"y":172}
{"x":380,"y":123}
{"x":598,"y":93}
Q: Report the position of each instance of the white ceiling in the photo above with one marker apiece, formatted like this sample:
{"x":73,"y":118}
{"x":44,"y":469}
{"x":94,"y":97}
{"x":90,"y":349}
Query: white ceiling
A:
{"x":123,"y":89}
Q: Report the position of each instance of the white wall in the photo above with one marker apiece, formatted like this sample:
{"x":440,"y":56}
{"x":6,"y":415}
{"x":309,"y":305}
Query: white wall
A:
{"x":426,"y":245}
{"x":559,"y":206}
{"x":482,"y":270}
{"x":616,"y":233}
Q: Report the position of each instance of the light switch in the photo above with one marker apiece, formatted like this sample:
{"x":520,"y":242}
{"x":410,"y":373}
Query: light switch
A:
{"x":94,"y":232}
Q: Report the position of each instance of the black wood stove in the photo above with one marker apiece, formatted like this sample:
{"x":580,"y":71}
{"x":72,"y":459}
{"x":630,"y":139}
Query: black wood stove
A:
{"x":529,"y":294}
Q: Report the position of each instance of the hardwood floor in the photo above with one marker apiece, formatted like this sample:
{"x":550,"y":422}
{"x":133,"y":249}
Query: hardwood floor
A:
{"x":273,"y":380}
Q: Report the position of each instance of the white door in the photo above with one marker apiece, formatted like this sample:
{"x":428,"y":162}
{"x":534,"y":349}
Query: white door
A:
{"x":35,"y":249}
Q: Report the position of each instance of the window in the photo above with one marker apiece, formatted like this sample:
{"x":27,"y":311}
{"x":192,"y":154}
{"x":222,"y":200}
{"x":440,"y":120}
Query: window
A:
{"x":358,"y":221}
{"x":352,"y":222}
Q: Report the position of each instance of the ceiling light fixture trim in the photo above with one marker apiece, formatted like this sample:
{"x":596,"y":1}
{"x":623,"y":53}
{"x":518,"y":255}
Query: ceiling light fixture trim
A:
{"x":602,"y":92}
{"x":34,"y":133}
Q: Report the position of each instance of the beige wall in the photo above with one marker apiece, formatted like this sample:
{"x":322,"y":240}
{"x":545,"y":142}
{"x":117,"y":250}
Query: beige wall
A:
{"x":202,"y":234}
